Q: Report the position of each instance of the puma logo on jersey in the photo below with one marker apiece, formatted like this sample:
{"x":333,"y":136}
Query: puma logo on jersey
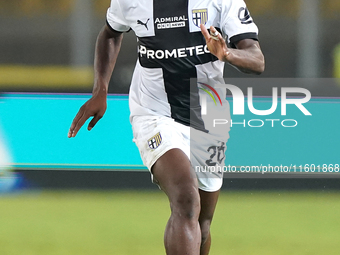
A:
{"x":144,"y":24}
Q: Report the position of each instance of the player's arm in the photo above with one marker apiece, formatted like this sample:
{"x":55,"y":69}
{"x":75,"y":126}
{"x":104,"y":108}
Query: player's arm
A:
{"x":248,"y":56}
{"x":106,"y":53}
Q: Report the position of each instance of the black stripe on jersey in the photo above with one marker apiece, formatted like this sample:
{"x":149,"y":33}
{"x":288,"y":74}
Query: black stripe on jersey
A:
{"x":188,"y":44}
{"x":173,"y":39}
{"x":183,"y":98}
{"x":177,"y":71}
{"x":236,"y":38}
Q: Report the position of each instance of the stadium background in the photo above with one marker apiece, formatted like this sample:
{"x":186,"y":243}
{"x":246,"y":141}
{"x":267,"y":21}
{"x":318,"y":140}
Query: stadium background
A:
{"x":83,"y":206}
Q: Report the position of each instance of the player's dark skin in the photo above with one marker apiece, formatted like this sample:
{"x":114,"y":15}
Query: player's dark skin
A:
{"x":192,"y":210}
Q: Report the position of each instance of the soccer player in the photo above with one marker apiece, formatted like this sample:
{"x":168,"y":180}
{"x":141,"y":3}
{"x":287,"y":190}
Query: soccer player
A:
{"x":175,"y":46}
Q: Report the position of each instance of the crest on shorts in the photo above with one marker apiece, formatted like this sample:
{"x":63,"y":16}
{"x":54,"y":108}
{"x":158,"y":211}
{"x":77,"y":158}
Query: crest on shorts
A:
{"x":200,"y":16}
{"x":155,"y":141}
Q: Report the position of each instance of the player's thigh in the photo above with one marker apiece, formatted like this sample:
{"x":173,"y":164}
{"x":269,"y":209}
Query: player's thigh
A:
{"x":174,"y":174}
{"x":164,"y":146}
{"x":208,"y":206}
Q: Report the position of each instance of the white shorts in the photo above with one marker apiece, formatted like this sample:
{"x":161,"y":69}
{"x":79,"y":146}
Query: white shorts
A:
{"x":155,"y":135}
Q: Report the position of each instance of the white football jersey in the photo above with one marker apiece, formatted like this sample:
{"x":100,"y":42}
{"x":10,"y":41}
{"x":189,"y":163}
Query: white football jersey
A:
{"x":172,"y":51}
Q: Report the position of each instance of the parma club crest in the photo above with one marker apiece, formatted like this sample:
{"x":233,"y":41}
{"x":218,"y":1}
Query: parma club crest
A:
{"x":155,"y":141}
{"x":200,"y":16}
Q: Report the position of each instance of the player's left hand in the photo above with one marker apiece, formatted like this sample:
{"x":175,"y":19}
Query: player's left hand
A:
{"x":216,"y":43}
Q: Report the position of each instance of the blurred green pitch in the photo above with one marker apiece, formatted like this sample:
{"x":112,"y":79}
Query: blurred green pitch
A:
{"x":132,"y":223}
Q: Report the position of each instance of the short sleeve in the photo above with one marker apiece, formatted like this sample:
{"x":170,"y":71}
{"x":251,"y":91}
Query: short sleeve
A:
{"x":236,"y":21}
{"x":115,"y":18}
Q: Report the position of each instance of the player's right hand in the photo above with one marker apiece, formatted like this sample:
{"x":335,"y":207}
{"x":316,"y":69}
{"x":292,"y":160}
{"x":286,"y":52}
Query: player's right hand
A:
{"x":96,"y":107}
{"x":216,"y":44}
